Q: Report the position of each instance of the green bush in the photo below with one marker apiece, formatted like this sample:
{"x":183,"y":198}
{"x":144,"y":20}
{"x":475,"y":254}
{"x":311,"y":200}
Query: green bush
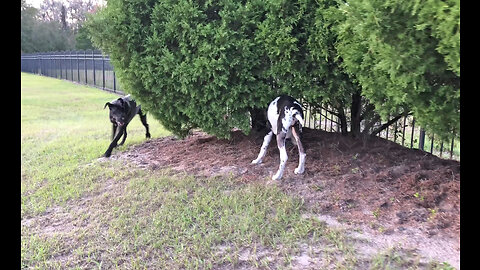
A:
{"x":405,"y":55}
{"x":298,"y":39}
{"x":190,"y":63}
{"x":212,"y":64}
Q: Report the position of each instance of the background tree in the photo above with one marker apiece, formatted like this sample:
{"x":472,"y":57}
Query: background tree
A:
{"x":83,"y":41}
{"x":55,"y":26}
{"x":77,"y":12}
{"x":27,"y":23}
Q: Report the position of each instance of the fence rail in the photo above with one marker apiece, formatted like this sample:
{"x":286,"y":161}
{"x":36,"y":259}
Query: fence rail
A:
{"x":87,"y":67}
{"x":94,"y":69}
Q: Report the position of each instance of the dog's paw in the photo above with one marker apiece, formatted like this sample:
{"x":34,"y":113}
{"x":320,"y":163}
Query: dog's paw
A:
{"x":256,"y":161}
{"x":277,"y":176}
{"x":147,"y":135}
{"x":299,"y":170}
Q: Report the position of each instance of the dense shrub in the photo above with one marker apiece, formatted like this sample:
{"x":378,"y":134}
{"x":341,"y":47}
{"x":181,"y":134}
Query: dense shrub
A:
{"x":212,"y":64}
{"x":191,"y":63}
{"x":298,"y":39}
{"x":405,"y":55}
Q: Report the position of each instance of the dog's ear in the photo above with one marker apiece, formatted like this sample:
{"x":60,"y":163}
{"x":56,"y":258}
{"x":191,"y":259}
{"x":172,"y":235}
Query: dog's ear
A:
{"x":122,"y":104}
{"x":107,"y":104}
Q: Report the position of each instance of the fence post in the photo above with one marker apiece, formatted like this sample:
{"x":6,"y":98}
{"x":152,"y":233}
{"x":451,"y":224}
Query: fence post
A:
{"x":78,"y":65}
{"x":62,"y":60}
{"x":59,"y":64}
{"x":35,"y":64}
{"x":441,"y":148}
{"x":93,"y":62}
{"x":331,"y":122}
{"x":319,"y":123}
{"x":431,"y":144}
{"x":421,"y":141}
{"x":54,"y":65}
{"x":114,"y":82}
{"x":39,"y":64}
{"x":325,"y":120}
{"x":453,"y":141}
{"x":85,"y":65}
{"x":386,"y":130}
{"x":103,"y":71}
{"x":71,"y":65}
{"x":65,"y":64}
{"x":395,"y":132}
{"x":413,"y":131}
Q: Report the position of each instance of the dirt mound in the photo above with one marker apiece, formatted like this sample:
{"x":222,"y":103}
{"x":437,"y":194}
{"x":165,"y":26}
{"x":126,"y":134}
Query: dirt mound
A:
{"x":374,"y":182}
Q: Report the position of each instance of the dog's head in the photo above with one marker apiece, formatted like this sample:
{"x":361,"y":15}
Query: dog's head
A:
{"x":119,"y":110}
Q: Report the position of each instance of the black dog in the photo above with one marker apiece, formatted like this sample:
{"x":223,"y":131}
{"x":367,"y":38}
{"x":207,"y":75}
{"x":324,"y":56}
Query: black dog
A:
{"x":122,"y":111}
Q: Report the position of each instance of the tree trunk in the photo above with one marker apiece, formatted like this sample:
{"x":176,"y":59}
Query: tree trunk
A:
{"x":356,"y":110}
{"x":343,"y":121}
{"x":63,"y":16}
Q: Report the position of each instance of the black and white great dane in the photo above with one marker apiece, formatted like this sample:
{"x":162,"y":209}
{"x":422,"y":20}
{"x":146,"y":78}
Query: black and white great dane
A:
{"x":285,"y":118}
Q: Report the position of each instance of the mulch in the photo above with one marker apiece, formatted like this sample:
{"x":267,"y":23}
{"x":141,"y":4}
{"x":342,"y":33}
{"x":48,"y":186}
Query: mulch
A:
{"x":372,"y":181}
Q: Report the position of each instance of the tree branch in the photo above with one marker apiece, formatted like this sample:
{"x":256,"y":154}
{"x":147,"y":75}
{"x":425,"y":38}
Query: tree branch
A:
{"x":391,"y":121}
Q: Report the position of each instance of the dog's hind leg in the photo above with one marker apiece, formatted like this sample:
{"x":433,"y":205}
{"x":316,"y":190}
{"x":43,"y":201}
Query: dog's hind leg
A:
{"x":283,"y":155}
{"x":143,"y":118}
{"x":301,"y":151}
{"x":263,"y":149}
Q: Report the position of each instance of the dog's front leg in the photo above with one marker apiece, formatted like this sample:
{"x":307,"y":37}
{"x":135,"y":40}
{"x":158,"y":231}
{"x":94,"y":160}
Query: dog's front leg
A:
{"x":263,"y":149}
{"x":124,"y":135}
{"x":114,"y":129}
{"x":283,"y":155}
{"x":119,"y":134}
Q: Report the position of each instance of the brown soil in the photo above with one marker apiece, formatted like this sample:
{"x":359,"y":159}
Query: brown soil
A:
{"x":376,"y":184}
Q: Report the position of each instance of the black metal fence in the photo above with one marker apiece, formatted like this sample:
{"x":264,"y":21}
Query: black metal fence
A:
{"x":404,"y":132}
{"x":86,"y":67}
{"x":94,"y":69}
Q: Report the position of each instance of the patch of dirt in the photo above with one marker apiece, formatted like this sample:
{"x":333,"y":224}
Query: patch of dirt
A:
{"x":389,"y":191}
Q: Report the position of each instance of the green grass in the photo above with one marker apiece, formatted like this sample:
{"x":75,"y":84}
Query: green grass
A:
{"x":182,"y":222}
{"x":64,"y":125}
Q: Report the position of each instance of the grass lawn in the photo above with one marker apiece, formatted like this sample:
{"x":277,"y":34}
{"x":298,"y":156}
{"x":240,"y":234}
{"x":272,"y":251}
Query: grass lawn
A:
{"x":64,"y":126}
{"x":81,"y":211}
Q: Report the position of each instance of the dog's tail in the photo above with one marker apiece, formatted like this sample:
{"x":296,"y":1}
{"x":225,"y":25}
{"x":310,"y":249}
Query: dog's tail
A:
{"x":300,"y":119}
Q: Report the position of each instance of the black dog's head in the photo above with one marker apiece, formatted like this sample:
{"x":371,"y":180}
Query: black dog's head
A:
{"x":119,"y":110}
